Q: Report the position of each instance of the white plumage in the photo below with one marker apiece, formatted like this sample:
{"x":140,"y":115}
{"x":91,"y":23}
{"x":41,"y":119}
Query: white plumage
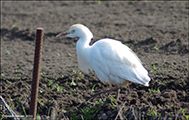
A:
{"x":111,"y":60}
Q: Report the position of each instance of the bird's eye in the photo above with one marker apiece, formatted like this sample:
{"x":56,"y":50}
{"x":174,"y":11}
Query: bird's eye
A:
{"x":73,"y":31}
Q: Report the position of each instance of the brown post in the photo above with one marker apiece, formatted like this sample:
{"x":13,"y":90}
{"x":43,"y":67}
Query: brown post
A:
{"x":36,"y":68}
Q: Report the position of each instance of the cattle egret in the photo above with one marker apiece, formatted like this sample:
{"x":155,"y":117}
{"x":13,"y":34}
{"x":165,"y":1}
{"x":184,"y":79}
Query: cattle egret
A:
{"x":112,"y":61}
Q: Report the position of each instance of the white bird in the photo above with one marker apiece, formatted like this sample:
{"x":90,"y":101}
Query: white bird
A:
{"x":112,"y":61}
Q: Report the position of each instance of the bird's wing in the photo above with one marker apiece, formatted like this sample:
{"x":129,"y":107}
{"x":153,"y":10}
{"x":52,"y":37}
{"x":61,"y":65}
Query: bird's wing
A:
{"x":114,"y":61}
{"x":116,"y":51}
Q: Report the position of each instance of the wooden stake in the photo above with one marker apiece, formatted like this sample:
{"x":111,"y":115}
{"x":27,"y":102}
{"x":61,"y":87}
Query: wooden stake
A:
{"x":36,"y":68}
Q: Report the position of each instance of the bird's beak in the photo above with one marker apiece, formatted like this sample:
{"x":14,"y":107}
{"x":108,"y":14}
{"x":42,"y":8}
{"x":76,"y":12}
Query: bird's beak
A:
{"x":63,"y":34}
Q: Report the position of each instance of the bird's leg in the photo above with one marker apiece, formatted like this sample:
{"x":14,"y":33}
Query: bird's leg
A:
{"x":98,"y":93}
{"x":118,"y":90}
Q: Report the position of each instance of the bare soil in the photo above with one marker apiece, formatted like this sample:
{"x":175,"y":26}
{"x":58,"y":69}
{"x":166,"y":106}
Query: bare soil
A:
{"x":156,"y":31}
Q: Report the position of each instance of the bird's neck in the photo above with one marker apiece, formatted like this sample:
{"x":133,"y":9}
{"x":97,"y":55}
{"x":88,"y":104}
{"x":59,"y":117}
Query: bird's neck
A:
{"x":84,"y":42}
{"x":85,"y":39}
{"x":83,"y":49}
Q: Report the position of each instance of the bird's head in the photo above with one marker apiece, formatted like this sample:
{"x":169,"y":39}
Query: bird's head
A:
{"x":77,"y":30}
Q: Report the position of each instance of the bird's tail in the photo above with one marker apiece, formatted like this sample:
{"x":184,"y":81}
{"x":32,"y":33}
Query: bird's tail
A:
{"x":142,"y":76}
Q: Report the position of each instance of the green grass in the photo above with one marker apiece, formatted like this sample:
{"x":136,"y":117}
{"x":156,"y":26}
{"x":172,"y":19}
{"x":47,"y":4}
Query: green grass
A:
{"x":58,"y":54}
{"x":66,"y":82}
{"x":38,"y":117}
{"x":10,"y":98}
{"x":74,"y":71}
{"x":24,"y":110}
{"x":80,"y":75}
{"x":39,"y":109}
{"x":73,"y":83}
{"x":74,"y":91}
{"x":93,"y":88}
{"x":14,"y":25}
{"x":151,"y":71}
{"x":50,"y":81}
{"x":58,"y":88}
{"x":155,"y":48}
{"x":8,"y":81}
{"x":113,"y":101}
{"x":186,"y":67}
{"x":152,"y":112}
{"x":98,"y":1}
{"x":89,"y":111}
{"x":40,"y":91}
{"x":186,"y":116}
{"x":165,"y":82}
{"x":40,"y":101}
{"x":165,"y":59}
{"x":11,"y":106}
{"x":154,"y":67}
{"x":153,"y":90}
{"x":2,"y":74}
{"x":19,"y":66}
{"x":7,"y":51}
{"x":74,"y":117}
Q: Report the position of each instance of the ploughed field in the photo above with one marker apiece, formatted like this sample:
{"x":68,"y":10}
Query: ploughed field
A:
{"x":156,"y":31}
